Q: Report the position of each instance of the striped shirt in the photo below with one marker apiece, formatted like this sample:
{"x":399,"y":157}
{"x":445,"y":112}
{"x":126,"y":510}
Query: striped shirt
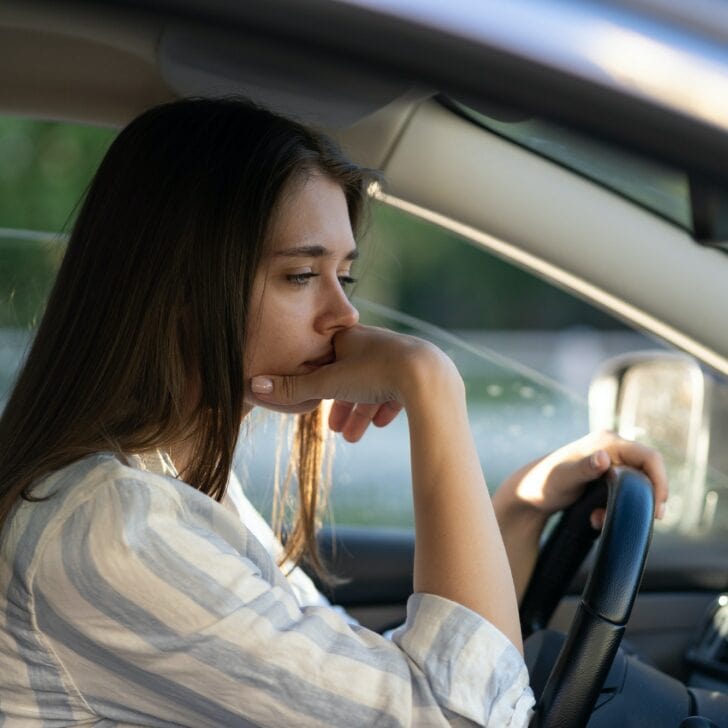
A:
{"x":130,"y":598}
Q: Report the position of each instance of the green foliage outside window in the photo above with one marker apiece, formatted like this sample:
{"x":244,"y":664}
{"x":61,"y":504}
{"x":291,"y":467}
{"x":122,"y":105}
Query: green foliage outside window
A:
{"x":45,"y":168}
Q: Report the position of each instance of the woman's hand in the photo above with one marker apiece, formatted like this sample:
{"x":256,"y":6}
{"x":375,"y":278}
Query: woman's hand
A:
{"x":555,"y":481}
{"x":375,"y":373}
{"x":459,"y":553}
{"x":352,"y":420}
{"x":527,"y":498}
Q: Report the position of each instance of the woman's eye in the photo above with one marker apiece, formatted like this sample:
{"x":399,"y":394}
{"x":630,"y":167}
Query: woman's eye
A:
{"x":301,"y":279}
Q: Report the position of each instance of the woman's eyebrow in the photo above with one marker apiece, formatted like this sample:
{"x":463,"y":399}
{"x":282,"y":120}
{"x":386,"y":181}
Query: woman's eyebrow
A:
{"x":312,"y":251}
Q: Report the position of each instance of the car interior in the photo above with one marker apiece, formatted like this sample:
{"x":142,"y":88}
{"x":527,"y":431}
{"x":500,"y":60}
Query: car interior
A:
{"x":434,"y":112}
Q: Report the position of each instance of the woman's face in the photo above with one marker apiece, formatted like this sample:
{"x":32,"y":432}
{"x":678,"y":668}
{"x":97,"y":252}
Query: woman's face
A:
{"x":299,"y":298}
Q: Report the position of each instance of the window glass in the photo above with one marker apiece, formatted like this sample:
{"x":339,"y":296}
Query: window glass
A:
{"x":531,"y":356}
{"x":528,"y":352}
{"x":28,"y":264}
{"x":44,"y":170}
{"x":45,"y":167}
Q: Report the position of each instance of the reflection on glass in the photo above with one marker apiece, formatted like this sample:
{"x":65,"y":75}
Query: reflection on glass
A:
{"x":662,"y":403}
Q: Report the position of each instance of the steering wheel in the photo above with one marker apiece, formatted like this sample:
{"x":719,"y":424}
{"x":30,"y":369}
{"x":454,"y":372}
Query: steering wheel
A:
{"x":576,"y":679}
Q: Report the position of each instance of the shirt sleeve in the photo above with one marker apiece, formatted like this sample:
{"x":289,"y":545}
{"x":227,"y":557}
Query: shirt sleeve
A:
{"x":164,"y":611}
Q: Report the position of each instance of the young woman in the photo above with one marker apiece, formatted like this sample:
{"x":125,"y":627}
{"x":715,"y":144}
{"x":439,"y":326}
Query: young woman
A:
{"x":206,"y":275}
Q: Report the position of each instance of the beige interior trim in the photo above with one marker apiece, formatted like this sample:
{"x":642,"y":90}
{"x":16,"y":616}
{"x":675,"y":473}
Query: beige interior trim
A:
{"x":105,"y":65}
{"x":373,"y":140}
{"x":540,"y":216}
{"x":565,"y":280}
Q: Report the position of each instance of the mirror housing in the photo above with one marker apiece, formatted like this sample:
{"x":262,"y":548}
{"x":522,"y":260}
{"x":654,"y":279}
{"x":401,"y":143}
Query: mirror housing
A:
{"x":667,"y":401}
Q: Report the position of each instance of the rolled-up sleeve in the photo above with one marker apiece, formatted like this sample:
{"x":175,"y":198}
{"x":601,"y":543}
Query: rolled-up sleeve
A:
{"x":472,"y":668}
{"x":163,"y":610}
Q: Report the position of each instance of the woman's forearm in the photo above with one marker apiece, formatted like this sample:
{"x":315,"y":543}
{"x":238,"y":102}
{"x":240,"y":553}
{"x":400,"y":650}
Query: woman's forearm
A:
{"x":459,"y":553}
{"x":521,"y":529}
{"x":526,"y":499}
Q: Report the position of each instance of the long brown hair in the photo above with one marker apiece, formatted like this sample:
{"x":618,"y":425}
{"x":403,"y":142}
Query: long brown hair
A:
{"x":171,"y":231}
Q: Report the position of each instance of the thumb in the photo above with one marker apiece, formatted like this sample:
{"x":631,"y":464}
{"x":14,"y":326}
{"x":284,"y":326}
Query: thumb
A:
{"x":584,"y":468}
{"x":596,"y":463}
{"x":288,"y":389}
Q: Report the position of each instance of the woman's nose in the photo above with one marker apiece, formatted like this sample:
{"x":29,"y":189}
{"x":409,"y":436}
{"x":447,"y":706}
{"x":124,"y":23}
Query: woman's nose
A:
{"x":338,"y":311}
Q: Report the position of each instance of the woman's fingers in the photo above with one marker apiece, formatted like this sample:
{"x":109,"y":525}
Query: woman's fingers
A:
{"x":292,"y":389}
{"x":353,"y":420}
{"x":616,"y":451}
{"x":387,"y":412}
{"x":642,"y":457}
{"x":338,"y":415}
{"x":597,"y":517}
{"x":590,"y":466}
{"x":358,"y":420}
{"x":648,"y":460}
{"x":563,"y":473}
{"x":371,"y":366}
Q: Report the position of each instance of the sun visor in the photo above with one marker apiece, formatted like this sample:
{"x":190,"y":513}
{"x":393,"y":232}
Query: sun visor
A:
{"x":299,"y":81}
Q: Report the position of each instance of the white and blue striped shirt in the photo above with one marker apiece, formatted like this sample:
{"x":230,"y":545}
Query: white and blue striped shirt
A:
{"x":130,"y":598}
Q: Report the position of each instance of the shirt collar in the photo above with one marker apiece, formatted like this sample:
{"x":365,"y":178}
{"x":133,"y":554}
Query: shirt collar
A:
{"x":155,"y":461}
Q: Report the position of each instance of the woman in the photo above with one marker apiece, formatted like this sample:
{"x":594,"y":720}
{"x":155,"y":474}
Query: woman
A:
{"x":206,"y":275}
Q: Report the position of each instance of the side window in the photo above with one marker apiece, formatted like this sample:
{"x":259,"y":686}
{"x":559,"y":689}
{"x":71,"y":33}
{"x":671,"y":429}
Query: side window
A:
{"x":44,"y":170}
{"x":28,"y":264}
{"x":528,"y":352}
{"x":526,"y":349}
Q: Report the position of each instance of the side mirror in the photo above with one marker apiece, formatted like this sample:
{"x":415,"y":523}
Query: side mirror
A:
{"x":667,"y":401}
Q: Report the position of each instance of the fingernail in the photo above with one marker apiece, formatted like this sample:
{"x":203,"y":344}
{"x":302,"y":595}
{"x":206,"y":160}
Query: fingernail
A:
{"x":261,"y":385}
{"x":661,"y":511}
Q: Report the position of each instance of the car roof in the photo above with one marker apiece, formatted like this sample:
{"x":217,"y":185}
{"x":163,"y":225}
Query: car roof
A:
{"x":604,"y":66}
{"x":368,"y":72}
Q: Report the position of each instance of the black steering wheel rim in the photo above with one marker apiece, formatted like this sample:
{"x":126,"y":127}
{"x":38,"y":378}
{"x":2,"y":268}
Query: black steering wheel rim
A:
{"x":595,"y":633}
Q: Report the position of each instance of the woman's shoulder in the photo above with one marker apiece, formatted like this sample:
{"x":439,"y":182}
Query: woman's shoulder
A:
{"x":99,"y":476}
{"x":85,"y":489}
{"x":119,"y":511}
